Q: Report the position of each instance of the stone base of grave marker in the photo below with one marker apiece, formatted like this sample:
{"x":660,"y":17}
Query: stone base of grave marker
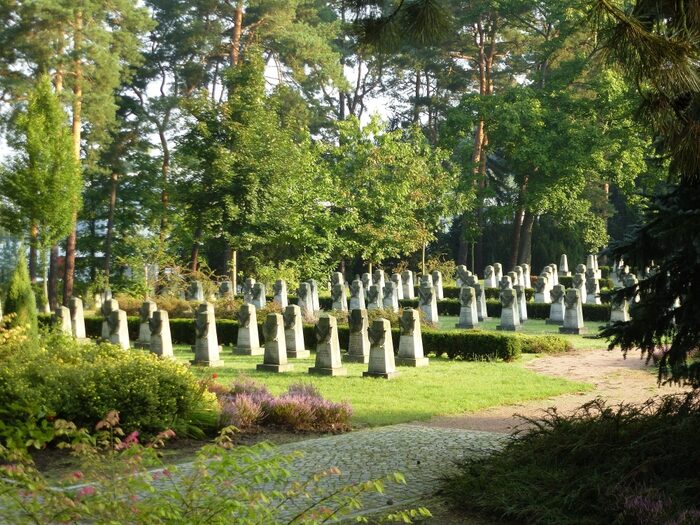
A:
{"x":341,"y":371}
{"x":298,"y":354}
{"x":388,"y":375}
{"x":213,"y":364}
{"x":236,"y":350}
{"x":554,"y":321}
{"x":274,"y":368}
{"x":409,"y":361}
{"x":515,"y":328}
{"x":575,"y":331}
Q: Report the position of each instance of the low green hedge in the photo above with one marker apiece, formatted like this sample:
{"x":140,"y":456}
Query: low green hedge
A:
{"x":591,"y":312}
{"x":544,"y":344}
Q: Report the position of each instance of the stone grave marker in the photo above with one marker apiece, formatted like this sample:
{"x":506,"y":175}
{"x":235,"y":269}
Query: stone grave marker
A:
{"x":275,"y":358}
{"x":328,"y":361}
{"x":556,"y":308}
{"x":294,"y":333}
{"x":468,"y":315}
{"x":358,"y":346}
{"x":145,"y":313}
{"x":248,"y":339}
{"x":206,"y":347}
{"x":573,"y":313}
{"x":279,"y":290}
{"x":161,"y":340}
{"x":381,"y":351}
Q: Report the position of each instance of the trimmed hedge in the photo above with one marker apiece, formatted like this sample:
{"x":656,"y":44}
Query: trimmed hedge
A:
{"x":591,"y":312}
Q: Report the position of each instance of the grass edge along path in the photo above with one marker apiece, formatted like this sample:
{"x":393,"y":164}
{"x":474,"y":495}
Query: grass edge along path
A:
{"x":446,"y":387}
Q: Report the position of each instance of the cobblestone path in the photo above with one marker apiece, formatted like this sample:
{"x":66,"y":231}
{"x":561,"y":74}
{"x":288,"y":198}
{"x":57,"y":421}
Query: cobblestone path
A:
{"x":422,"y":454}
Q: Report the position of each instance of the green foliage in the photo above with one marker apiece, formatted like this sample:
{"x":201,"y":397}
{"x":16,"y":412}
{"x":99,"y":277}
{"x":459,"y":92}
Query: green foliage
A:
{"x":41,"y":185}
{"x":62,"y":378}
{"x":627,"y":464}
{"x":225,"y":484}
{"x":20,"y":299}
{"x":544,"y":344}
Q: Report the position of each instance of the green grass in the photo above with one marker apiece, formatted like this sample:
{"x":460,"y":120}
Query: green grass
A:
{"x":445,"y":387}
{"x":540,"y":327}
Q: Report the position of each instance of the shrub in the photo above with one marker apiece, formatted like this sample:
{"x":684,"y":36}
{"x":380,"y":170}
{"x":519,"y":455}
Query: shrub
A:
{"x":20,"y":299}
{"x":81,"y":382}
{"x":628,"y":464}
{"x":544,"y":344}
{"x":472,"y":344}
{"x":301,"y":408}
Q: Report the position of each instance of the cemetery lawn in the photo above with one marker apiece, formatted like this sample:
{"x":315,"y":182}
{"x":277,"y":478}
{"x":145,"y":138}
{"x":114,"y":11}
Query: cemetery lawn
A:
{"x":540,"y":327}
{"x":443,"y":388}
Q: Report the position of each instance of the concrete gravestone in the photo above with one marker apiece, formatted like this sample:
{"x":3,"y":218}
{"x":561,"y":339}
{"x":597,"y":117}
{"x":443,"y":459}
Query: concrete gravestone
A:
{"x":410,"y":340}
{"x":490,"y":277}
{"x":275,"y":359}
{"x":519,"y":276}
{"x":427,"y":302}
{"x":573,"y":313}
{"x":381,"y":352}
{"x":461,"y":274}
{"x":206,"y":345}
{"x":61,"y":318}
{"x":542,"y":290}
{"x":579,"y":283}
{"x":328,"y":361}
{"x":358,"y":346}
{"x":498,"y":271}
{"x":340,"y":301}
{"x":437,"y":284}
{"x":248,"y":339}
{"x":305,"y":300}
{"x":378,"y":279}
{"x":366,"y":282}
{"x":195,"y":292}
{"x":294,"y":333}
{"x":106,"y":309}
{"x":398,"y":285}
{"x":468,"y":315}
{"x":619,"y":309}
{"x":592,"y":290}
{"x":337,"y":278}
{"x":556,"y":310}
{"x":145,"y":313}
{"x":77,"y":318}
{"x":161,"y":340}
{"x":522,"y":302}
{"x":279,"y":290}
{"x":408,"y":285}
{"x":313,"y":286}
{"x":118,"y":328}
{"x":248,"y":290}
{"x":564,"y":266}
{"x":526,"y":275}
{"x":510,"y":317}
{"x":357,"y":295}
{"x":391,"y":297}
{"x":226,"y":290}
{"x":259,"y":299}
{"x":374,"y":297}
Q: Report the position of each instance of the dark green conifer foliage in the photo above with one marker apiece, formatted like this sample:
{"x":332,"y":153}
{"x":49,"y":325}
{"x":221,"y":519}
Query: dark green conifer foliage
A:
{"x":20,"y":299}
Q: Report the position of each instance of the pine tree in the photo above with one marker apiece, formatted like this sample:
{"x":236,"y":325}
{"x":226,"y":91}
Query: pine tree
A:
{"x":20,"y":299}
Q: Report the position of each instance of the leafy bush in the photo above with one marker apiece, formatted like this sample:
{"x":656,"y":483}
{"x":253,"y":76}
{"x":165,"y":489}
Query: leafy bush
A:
{"x":635,"y":465}
{"x":544,"y":344}
{"x":301,"y":408}
{"x":591,"y":312}
{"x":472,"y":345}
{"x":20,"y":299}
{"x":78,"y":382}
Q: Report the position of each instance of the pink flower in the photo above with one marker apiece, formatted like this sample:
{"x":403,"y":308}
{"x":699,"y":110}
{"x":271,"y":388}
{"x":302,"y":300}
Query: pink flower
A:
{"x":214,"y":376}
{"x":77,"y":474}
{"x":86,"y":491}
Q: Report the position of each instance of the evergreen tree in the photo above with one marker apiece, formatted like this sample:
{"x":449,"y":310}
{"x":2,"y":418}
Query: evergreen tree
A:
{"x":656,"y":43}
{"x":20,"y":299}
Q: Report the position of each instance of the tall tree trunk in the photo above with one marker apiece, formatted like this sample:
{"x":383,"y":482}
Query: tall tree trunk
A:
{"x":53,"y":277}
{"x":76,"y":127}
{"x":33,"y":241}
{"x":237,"y":32}
{"x":517,"y":227}
{"x":194,"y":256}
{"x":416,"y":107}
{"x":525,"y":249}
{"x":165,"y":179}
{"x":114,"y":182}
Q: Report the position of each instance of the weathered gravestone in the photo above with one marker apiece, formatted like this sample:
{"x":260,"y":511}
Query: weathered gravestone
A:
{"x":145,"y":313}
{"x":522,"y":302}
{"x":510,"y":317}
{"x":526,"y":275}
{"x":358,"y":346}
{"x":437,"y":284}
{"x":118,"y":328}
{"x":305,"y":300}
{"x":374,"y":297}
{"x":340,"y":301}
{"x":579,"y":283}
{"x":555,"y":276}
{"x":313,"y":286}
{"x":408,"y":284}
{"x":592,"y":291}
{"x":161,"y":343}
{"x":279,"y":290}
{"x":328,"y":361}
{"x":542,"y":294}
{"x":107,"y":308}
{"x":226,"y":290}
{"x":398,"y":285}
{"x":61,"y":319}
{"x":294,"y":333}
{"x":381,"y":351}
{"x":366,"y":282}
{"x":564,"y":265}
{"x":206,"y":344}
{"x":556,"y":309}
{"x":461,"y":274}
{"x":195,"y":291}
{"x":519,"y":276}
{"x":468,"y":315}
{"x":337,"y":278}
{"x":77,"y":318}
{"x":379,"y":280}
{"x":248,"y":339}
{"x":259,"y":299}
{"x":427,"y":302}
{"x":573,"y":313}
{"x":275,"y":359}
{"x":490,"y":277}
{"x":619,"y":309}
{"x":498,"y":271}
{"x":410,"y":340}
{"x":391,"y":298}
{"x":247,"y":289}
{"x":357,"y":295}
